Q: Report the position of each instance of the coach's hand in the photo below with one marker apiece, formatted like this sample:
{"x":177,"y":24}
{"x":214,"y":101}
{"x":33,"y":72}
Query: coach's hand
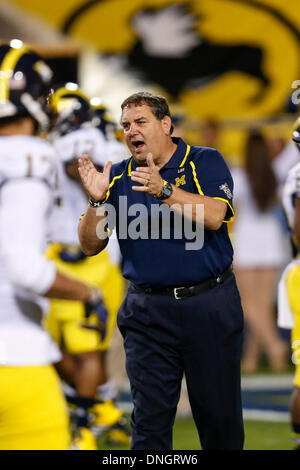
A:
{"x":95,"y":183}
{"x":149,"y":177}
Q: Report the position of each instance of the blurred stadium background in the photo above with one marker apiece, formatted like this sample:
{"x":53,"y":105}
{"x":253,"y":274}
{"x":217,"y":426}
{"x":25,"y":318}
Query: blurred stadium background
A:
{"x":115,"y":47}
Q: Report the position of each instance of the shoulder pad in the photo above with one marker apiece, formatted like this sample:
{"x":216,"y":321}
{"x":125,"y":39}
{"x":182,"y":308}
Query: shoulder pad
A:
{"x":85,"y":140}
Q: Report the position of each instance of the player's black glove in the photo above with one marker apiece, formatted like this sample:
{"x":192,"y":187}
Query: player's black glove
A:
{"x":96,"y":305}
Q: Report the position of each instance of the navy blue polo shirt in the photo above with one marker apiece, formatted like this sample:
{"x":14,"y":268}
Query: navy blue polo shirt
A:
{"x":156,"y":260}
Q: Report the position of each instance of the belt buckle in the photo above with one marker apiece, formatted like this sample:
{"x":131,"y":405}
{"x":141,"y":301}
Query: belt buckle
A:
{"x":176,"y":295}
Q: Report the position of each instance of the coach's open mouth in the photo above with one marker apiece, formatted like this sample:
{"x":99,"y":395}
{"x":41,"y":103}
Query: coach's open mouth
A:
{"x":138,"y":144}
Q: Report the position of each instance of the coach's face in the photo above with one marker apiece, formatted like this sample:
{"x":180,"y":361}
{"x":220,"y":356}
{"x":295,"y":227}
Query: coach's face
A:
{"x":144,"y":133}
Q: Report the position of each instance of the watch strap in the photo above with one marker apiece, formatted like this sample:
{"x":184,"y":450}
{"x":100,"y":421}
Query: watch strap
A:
{"x":165,"y":192}
{"x":158,"y":195}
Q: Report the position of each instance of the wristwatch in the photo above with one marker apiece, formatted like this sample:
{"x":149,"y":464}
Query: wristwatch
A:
{"x":165,"y":192}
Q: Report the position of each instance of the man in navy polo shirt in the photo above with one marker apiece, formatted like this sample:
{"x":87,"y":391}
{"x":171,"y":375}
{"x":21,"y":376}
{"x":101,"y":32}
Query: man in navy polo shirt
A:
{"x":182,"y":312}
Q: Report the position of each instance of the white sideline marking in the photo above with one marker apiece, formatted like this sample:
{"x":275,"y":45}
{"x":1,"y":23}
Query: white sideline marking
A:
{"x":267,"y":382}
{"x":266,"y":415}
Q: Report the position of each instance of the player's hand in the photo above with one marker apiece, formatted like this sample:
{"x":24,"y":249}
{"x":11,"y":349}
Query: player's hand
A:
{"x":94,"y":182}
{"x":96,"y":305}
{"x":149,"y":177}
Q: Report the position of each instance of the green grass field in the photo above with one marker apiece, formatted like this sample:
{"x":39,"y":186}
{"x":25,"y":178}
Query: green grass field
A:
{"x":260,"y":435}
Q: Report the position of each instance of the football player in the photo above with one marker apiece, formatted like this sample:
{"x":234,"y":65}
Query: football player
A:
{"x":32,"y":406}
{"x":74,"y":133}
{"x":289,"y":285}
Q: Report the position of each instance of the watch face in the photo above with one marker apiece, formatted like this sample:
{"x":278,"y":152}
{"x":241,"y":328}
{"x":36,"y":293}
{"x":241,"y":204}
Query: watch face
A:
{"x":167,"y":191}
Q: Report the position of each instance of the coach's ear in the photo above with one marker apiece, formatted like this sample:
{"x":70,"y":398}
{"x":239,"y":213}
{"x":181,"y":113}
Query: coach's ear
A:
{"x":166,"y":124}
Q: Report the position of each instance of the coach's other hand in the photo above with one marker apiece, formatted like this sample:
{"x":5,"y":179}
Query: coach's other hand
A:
{"x":149,"y":177}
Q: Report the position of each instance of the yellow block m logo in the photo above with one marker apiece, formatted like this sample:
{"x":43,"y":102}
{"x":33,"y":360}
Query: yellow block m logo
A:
{"x":180,"y":181}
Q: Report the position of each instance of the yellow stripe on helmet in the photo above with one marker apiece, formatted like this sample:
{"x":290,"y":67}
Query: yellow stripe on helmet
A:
{"x":59,"y":94}
{"x":6,"y":70}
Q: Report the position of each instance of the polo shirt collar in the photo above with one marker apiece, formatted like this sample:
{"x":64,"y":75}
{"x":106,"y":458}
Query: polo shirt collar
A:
{"x":175,"y":161}
{"x":179,"y":154}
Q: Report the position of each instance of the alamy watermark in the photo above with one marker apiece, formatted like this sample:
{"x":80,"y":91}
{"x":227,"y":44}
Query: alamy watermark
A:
{"x":296,"y":94}
{"x":136,"y":221}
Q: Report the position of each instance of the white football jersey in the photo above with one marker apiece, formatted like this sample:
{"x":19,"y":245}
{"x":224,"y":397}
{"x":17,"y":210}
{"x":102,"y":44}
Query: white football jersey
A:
{"x":290,"y":189}
{"x":63,"y":224}
{"x":71,"y":196}
{"x":27,"y":156}
{"x":27,"y":180}
{"x":84,"y":140}
{"x":283,"y":163}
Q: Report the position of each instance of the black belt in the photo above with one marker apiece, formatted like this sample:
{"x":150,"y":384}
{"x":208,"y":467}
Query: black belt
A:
{"x":182,"y":292}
